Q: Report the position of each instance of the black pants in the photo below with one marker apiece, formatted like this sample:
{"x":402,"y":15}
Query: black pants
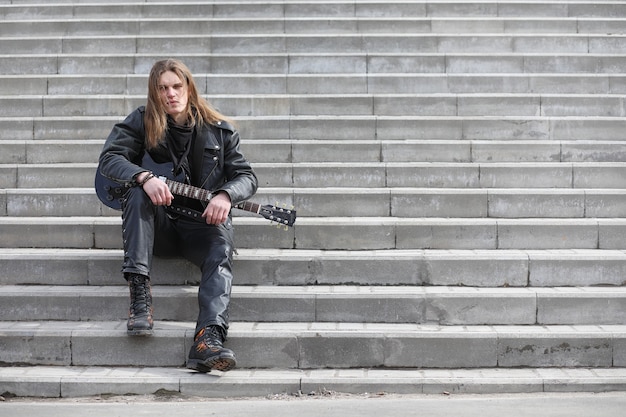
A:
{"x":148,"y":230}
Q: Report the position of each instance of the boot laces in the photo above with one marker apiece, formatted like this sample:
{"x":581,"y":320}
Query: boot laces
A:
{"x":211,"y":338}
{"x":140,"y":294}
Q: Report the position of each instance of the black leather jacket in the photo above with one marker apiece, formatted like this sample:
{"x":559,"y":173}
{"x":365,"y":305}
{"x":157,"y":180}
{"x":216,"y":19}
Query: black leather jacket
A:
{"x":224,"y":168}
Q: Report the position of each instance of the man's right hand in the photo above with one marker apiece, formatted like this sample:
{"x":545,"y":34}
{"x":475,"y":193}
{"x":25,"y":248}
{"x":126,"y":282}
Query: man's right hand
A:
{"x":157,"y":190}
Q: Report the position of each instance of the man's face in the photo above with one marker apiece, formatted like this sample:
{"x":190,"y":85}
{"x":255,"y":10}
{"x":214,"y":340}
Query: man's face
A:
{"x":174,"y":95}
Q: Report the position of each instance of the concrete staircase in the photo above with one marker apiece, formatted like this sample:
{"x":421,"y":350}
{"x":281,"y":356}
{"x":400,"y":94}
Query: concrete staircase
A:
{"x":458,"y":169}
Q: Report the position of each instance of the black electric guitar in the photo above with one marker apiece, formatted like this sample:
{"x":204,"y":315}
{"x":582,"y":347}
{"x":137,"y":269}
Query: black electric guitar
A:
{"x":111,"y":194}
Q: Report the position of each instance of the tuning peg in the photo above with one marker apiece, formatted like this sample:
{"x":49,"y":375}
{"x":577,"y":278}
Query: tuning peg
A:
{"x":280,"y":225}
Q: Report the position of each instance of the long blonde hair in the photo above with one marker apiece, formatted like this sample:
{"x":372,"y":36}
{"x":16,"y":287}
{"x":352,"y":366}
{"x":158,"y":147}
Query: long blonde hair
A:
{"x":199,"y":110}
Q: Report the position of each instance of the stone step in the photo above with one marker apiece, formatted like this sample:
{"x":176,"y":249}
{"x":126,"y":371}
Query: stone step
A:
{"x":386,"y":83}
{"x":83,"y":381}
{"x":320,"y":63}
{"x":298,"y":267}
{"x":320,"y":39}
{"x":126,"y":26}
{"x":492,"y":151}
{"x":341,"y":233}
{"x":358,"y":304}
{"x":50,"y":151}
{"x":366,"y":175}
{"x":348,"y":128}
{"x":362,"y":202}
{"x":307,"y":151}
{"x":316,"y":345}
{"x":550,"y":105}
{"x":60,"y":9}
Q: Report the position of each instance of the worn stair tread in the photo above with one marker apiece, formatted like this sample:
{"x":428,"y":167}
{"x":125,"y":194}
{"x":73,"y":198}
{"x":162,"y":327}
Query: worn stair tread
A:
{"x":308,"y":345}
{"x":170,"y":329}
{"x":288,"y":8}
{"x":315,"y":291}
{"x":298,"y":63}
{"x":351,"y":127}
{"x":73,"y":20}
{"x":381,"y":104}
{"x":360,"y":55}
{"x":247,"y":83}
{"x":324,"y":303}
{"x":336,"y":233}
{"x":318,"y":38}
{"x":77,"y":381}
{"x":366,"y":174}
{"x":8,"y":254}
{"x":295,"y":267}
{"x":309,"y":151}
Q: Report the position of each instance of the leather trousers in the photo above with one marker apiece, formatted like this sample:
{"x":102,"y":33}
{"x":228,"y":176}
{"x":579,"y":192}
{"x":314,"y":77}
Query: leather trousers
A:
{"x":148,"y":230}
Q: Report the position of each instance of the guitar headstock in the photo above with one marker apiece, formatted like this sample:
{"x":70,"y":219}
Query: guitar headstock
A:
{"x":280,"y":215}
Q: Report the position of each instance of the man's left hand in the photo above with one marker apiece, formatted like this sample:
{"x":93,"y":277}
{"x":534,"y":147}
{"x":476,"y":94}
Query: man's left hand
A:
{"x":218,"y":209}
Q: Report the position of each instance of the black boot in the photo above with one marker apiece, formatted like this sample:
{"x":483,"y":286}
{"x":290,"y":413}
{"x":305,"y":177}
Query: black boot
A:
{"x":140,"y":313}
{"x":208,"y":353}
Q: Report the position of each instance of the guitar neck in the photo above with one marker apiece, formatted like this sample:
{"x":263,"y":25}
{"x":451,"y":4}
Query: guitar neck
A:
{"x":187,"y":190}
{"x":249,"y":206}
{"x":201,"y":194}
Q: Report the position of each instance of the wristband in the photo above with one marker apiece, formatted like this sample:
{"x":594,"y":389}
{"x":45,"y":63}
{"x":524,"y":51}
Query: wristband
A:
{"x":146,"y":179}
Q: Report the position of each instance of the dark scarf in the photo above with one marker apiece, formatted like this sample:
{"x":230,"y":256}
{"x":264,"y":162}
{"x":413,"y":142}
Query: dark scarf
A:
{"x":179,"y":142}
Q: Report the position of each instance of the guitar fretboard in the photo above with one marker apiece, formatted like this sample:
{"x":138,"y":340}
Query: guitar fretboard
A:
{"x":201,"y":194}
{"x":248,"y":206}
{"x":187,"y":190}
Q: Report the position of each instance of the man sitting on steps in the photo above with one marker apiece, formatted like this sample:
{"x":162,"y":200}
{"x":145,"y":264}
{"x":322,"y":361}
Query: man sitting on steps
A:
{"x":180,"y":132}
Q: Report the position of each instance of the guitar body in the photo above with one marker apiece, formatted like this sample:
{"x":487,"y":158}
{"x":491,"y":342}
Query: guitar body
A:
{"x":111,"y":193}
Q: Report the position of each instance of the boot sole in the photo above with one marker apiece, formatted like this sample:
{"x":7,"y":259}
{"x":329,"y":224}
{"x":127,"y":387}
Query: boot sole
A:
{"x":222,"y":364}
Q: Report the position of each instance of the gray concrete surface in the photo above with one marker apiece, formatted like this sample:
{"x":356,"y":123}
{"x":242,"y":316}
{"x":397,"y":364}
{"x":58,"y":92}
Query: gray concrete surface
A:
{"x":552,"y":405}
